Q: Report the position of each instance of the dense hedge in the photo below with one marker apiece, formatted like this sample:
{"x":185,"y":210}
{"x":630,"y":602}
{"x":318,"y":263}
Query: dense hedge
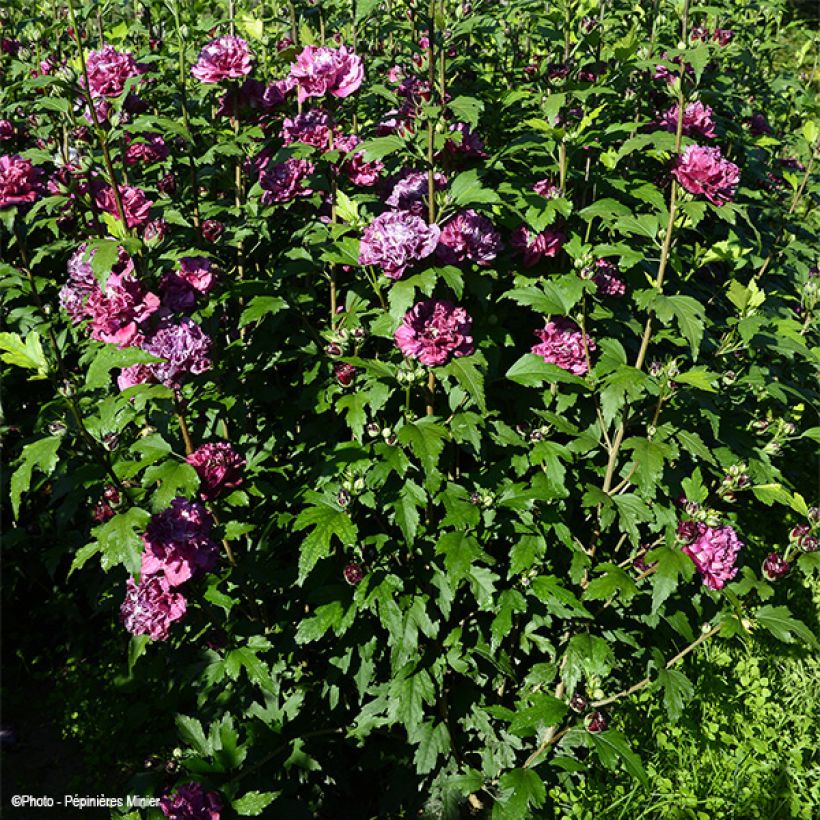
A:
{"x":415,"y":382}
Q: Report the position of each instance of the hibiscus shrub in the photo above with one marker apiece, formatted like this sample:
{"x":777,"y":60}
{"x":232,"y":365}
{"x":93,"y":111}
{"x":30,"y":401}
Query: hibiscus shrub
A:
{"x":413,"y":381}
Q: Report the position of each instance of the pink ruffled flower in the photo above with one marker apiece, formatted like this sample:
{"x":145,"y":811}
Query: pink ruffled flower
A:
{"x":135,"y":203}
{"x":411,"y":190}
{"x":704,"y":171}
{"x":697,"y":120}
{"x":198,"y":272}
{"x":396,"y":239}
{"x":117,"y":314}
{"x":359,"y":171}
{"x":320,"y":71}
{"x":714,"y":551}
{"x":108,"y":71}
{"x":134,"y":375}
{"x":226,"y":58}
{"x":82,"y":283}
{"x":283,"y":182}
{"x":151,"y":149}
{"x":469,"y":235}
{"x":219,"y":468}
{"x":607,"y":279}
{"x":178,"y":543}
{"x":535,"y":248}
{"x":312,"y":127}
{"x":191,"y":802}
{"x":151,"y":607}
{"x":434,"y":331}
{"x":562,"y":344}
{"x":20,"y":182}
{"x":185,"y":348}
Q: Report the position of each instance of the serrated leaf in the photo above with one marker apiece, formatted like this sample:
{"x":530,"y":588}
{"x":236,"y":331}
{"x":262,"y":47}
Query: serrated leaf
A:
{"x":175,"y":478}
{"x":326,"y":521}
{"x":26,"y":353}
{"x":532,"y":371}
{"x":611,"y":746}
{"x":466,"y":189}
{"x":677,"y":692}
{"x":433,"y":741}
{"x":520,"y":791}
{"x":426,"y":439}
{"x":253,"y":803}
{"x":470,"y":378}
{"x":41,"y":454}
{"x":673,"y":565}
{"x":261,"y":306}
{"x":780,"y":622}
{"x":120,"y":541}
{"x":544,"y":710}
{"x":191,"y":732}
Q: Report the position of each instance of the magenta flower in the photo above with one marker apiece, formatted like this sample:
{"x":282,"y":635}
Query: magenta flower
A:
{"x":283,"y":182}
{"x":184,"y":347}
{"x":359,"y":171}
{"x":198,"y":272}
{"x":697,"y":120}
{"x":20,"y":181}
{"x":714,"y":552}
{"x":534,"y":249}
{"x":178,"y":543}
{"x":704,"y":171}
{"x":396,"y":239}
{"x":411,"y":190}
{"x":151,"y":607}
{"x":469,"y":235}
{"x":607,"y":279}
{"x":219,"y":468}
{"x":434,"y":331}
{"x":82,"y":282}
{"x":135,"y":203}
{"x":226,"y":58}
{"x":312,"y":127}
{"x":151,"y":149}
{"x":117,"y":314}
{"x":320,"y":71}
{"x":134,"y":375}
{"x":191,"y":802}
{"x":562,"y":344}
{"x":108,"y":70}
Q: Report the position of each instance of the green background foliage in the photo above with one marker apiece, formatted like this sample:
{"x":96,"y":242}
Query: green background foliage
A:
{"x":497,"y":520}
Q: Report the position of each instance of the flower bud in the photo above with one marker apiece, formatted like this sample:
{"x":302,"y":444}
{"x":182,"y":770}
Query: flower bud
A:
{"x":343,"y":498}
{"x":345,"y":373}
{"x":775,"y":567}
{"x":212,"y":229}
{"x":373,"y":429}
{"x":353,"y":574}
{"x":578,"y":703}
{"x":687,"y":532}
{"x":814,"y":514}
{"x":596,"y":722}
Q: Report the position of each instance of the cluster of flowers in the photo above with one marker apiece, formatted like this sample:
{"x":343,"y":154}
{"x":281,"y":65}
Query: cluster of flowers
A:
{"x":126,"y":314}
{"x":178,"y":546}
{"x":190,"y":801}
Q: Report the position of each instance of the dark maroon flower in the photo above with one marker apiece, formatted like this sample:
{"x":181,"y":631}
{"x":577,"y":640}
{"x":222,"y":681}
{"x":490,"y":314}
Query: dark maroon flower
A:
{"x":211,"y":230}
{"x":578,"y":703}
{"x":687,"y":531}
{"x":167,"y":185}
{"x":219,"y":468}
